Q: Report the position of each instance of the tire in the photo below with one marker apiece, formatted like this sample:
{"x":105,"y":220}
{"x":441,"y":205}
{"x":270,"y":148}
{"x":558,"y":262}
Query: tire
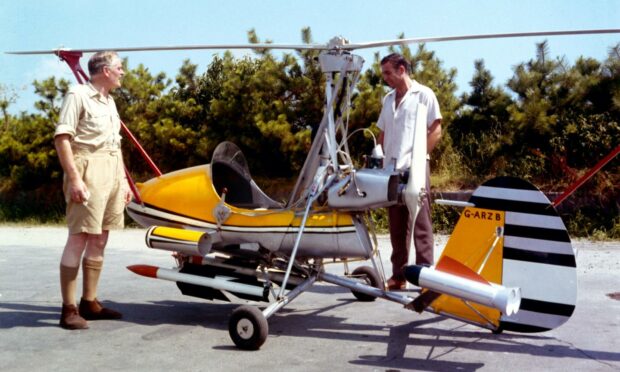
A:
{"x":370,"y":277}
{"x":248,"y":327}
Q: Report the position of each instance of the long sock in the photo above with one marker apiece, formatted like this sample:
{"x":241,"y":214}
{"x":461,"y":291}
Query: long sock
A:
{"x":68,"y":276}
{"x":91,"y":270}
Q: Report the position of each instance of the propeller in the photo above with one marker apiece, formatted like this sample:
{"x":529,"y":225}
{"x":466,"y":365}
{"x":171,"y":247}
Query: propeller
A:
{"x":415,"y":188}
{"x":336,"y":43}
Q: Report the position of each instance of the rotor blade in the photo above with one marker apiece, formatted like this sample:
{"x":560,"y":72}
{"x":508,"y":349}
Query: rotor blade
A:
{"x":473,"y":37}
{"x":375,"y":44}
{"x":185,"y":47}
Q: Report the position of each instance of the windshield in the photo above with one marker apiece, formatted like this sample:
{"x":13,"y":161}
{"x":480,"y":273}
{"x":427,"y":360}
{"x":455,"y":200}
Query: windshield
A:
{"x":228,"y":153}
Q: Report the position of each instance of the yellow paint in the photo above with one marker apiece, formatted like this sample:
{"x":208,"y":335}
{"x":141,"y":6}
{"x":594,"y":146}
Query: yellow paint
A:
{"x":189,"y":192}
{"x":178,"y":234}
{"x":469,"y":244}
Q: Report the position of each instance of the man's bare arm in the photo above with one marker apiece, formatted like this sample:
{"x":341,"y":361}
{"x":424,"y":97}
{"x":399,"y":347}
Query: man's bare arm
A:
{"x":434,"y":134}
{"x":77,"y":189}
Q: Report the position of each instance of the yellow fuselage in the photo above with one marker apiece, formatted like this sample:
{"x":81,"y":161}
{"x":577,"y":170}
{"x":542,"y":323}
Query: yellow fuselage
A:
{"x":187,"y":199}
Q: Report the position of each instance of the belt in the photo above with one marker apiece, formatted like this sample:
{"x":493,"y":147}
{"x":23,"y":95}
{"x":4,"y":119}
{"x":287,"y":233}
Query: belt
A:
{"x":96,"y":150}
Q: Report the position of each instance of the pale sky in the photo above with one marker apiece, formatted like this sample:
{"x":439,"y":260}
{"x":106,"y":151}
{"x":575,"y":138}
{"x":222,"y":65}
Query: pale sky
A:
{"x":109,"y":24}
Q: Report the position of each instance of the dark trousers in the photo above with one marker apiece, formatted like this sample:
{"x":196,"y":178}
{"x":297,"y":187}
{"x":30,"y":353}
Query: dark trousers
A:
{"x":400,"y":232}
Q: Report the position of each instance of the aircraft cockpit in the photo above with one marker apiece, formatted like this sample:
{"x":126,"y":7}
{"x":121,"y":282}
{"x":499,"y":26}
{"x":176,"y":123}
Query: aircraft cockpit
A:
{"x":230,"y":172}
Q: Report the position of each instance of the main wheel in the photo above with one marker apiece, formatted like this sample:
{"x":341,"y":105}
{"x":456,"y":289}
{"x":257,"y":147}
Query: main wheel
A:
{"x":370,"y":277}
{"x":248,"y":327}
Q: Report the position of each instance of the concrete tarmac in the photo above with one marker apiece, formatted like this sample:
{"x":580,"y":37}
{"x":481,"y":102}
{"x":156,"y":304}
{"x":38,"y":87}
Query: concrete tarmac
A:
{"x":324,"y":329}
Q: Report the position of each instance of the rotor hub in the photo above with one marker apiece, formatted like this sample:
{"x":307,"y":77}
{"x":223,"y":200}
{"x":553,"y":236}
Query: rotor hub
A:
{"x":340,"y":62}
{"x":337,"y":42}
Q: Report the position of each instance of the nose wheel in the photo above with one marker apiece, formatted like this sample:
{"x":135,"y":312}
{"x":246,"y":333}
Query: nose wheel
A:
{"x":248,"y":327}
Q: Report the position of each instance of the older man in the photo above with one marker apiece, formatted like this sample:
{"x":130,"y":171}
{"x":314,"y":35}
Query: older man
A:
{"x":397,"y":123}
{"x":87,"y":139}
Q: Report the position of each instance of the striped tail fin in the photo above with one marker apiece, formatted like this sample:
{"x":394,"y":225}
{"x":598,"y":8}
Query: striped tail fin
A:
{"x":514,"y":237}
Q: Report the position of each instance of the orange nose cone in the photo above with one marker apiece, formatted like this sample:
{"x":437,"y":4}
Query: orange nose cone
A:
{"x":144,"y":270}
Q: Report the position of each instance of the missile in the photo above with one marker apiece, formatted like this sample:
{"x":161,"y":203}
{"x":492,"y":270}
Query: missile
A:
{"x":466,"y":285}
{"x":273,"y":275}
{"x":221,"y":283}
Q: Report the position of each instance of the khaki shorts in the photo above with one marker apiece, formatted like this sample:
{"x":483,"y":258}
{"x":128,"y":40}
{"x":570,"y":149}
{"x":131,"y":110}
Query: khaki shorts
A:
{"x":103,"y":173}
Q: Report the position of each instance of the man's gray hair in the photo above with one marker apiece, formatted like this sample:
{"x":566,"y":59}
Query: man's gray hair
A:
{"x":99,"y":60}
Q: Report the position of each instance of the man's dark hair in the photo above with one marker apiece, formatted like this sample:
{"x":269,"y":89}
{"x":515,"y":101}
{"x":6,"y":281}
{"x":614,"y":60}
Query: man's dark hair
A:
{"x":396,"y":60}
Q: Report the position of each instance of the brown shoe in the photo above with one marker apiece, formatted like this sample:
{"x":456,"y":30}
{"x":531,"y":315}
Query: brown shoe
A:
{"x":395,"y":284}
{"x":70,"y":318}
{"x":92,"y":310}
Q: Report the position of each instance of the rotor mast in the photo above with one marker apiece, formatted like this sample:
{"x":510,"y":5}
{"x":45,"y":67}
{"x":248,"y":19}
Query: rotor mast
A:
{"x":341,"y":69}
{"x":336,"y":61}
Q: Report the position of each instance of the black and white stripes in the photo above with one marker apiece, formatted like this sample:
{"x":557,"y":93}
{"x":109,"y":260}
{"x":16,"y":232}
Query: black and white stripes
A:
{"x":537,"y":254}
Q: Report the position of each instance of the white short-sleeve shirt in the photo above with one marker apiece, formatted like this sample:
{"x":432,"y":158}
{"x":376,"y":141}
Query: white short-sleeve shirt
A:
{"x":398,"y":123}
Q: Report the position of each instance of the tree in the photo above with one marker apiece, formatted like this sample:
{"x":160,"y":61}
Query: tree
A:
{"x":8,"y":96}
{"x":52,"y":93}
{"x":157,"y":118}
{"x":30,"y":174}
{"x":27,"y":154}
{"x":480,"y":129}
{"x":554,"y":100}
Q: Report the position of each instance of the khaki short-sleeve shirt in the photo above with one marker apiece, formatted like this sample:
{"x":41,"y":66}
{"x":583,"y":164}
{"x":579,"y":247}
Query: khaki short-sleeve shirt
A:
{"x":90,"y":119}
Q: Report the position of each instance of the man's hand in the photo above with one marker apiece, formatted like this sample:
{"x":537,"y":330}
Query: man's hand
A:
{"x":128,"y":195}
{"x":78,"y":191}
